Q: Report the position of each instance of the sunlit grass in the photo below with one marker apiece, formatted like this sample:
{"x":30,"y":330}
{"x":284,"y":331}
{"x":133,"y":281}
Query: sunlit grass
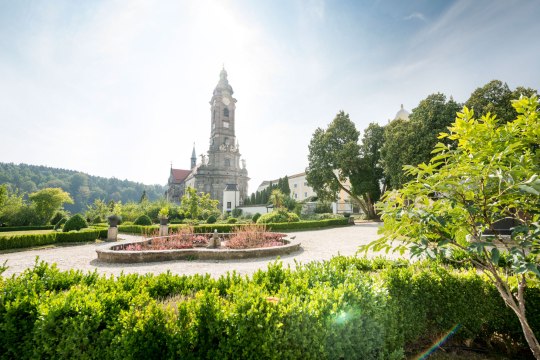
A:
{"x":26,"y":232}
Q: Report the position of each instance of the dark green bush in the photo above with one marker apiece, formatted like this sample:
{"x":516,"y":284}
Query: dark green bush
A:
{"x":211,"y":219}
{"x":255,"y":217}
{"x":59,"y":224}
{"x":97,"y":220}
{"x":143,"y":220}
{"x":232,"y":220}
{"x":57,"y":217}
{"x":76,"y":222}
{"x":78,"y":236}
{"x":236,"y":212}
{"x":25,"y":228}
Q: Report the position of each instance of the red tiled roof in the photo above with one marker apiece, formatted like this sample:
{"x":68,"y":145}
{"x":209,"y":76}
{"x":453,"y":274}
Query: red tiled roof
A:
{"x":180,"y":175}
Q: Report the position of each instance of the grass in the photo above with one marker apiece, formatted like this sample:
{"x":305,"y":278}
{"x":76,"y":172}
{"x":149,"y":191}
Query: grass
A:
{"x":27,"y":232}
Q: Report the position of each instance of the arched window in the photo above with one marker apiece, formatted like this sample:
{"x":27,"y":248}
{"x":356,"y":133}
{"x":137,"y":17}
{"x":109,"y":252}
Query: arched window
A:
{"x":226,"y":112}
{"x":227,"y":162}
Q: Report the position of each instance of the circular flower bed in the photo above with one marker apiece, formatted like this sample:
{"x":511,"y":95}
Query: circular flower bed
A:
{"x":250,"y":240}
{"x":189,"y":246}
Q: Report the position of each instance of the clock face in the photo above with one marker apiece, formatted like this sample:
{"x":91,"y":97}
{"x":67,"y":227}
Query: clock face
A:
{"x":226,"y":101}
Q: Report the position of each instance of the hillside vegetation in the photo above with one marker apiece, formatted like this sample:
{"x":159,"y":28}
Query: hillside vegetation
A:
{"x":84,"y":188}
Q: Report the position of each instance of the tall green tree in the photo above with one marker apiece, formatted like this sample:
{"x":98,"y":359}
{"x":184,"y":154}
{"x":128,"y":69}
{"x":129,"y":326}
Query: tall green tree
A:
{"x":409,"y":142}
{"x":48,"y":201}
{"x":489,"y":173}
{"x":367,"y":178}
{"x":496,"y":97}
{"x":334,"y":157}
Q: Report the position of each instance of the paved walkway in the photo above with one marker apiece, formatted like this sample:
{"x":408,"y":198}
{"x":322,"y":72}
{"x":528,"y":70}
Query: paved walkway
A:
{"x":316,"y":245}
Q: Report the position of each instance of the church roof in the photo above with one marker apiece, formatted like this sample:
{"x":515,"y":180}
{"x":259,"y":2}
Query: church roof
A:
{"x":231,"y":187}
{"x":180,"y":175}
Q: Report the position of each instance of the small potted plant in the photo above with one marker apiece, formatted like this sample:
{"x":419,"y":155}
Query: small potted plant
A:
{"x":163,"y":215}
{"x":114,"y":220}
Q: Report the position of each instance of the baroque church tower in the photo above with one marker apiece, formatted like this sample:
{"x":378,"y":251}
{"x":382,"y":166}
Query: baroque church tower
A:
{"x":220,"y":173}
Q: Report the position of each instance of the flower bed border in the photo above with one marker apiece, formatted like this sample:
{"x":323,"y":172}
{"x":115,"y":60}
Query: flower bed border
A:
{"x":109,"y":254}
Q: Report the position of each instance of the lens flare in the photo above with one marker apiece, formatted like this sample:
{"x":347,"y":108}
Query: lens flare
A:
{"x":441,"y":341}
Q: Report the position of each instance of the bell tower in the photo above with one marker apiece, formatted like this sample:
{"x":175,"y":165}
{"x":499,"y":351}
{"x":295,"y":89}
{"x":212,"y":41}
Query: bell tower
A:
{"x":223,"y":151}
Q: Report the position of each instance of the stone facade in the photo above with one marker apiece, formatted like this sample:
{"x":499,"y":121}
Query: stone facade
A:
{"x":222,"y":165}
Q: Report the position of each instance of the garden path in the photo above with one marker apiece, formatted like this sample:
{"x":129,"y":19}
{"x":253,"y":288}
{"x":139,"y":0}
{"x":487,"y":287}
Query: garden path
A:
{"x":316,"y":245}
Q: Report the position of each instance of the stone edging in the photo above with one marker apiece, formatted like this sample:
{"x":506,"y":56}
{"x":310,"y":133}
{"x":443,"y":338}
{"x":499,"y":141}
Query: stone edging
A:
{"x":108,"y":255}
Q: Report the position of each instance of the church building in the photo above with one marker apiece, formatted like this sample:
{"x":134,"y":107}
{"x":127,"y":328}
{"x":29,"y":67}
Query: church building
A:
{"x":220,"y":173}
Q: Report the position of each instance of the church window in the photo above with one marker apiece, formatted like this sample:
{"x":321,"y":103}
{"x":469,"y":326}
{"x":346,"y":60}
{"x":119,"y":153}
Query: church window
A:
{"x":226,"y":112}
{"x":227,"y":162}
{"x":226,"y":124}
{"x":226,"y":141}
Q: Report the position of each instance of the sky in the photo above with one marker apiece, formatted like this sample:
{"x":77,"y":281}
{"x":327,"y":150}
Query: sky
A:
{"x":121,"y":88}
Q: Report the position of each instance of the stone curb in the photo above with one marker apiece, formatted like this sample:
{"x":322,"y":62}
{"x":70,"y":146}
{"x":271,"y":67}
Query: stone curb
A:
{"x":108,"y":255}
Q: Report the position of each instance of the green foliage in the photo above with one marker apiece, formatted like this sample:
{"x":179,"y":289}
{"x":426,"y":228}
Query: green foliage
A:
{"x":263,"y":197}
{"x":25,"y":228}
{"x":341,"y":308}
{"x":232,"y":220}
{"x":495,"y":98}
{"x":236,"y":212}
{"x":60,"y":223}
{"x":255,"y":217}
{"x":278,"y":216}
{"x":211,"y":219}
{"x":323,"y":207}
{"x":143,"y":220}
{"x":76,"y":222}
{"x":333,"y":154}
{"x":490,"y":174}
{"x":48,"y":201}
{"x":277,"y":198}
{"x":32,"y":240}
{"x":83,"y":188}
{"x":409,"y":142}
{"x":194,"y":204}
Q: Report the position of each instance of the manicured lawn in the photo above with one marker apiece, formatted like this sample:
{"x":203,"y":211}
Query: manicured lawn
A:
{"x":28,"y":232}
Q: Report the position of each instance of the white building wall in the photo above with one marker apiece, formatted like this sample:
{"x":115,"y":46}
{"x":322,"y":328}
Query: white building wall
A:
{"x":231,"y":200}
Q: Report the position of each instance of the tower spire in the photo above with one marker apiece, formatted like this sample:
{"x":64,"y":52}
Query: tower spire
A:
{"x":193,"y":157}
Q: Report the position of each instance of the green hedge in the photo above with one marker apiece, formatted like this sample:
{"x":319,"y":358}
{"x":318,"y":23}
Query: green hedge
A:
{"x":30,"y":240}
{"x":342,"y":308}
{"x":226,"y":228}
{"x":25,"y":228}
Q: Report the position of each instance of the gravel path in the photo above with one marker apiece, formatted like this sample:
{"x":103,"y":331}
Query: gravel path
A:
{"x":316,"y":245}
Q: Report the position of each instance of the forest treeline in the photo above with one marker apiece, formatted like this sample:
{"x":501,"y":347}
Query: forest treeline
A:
{"x":83,"y":188}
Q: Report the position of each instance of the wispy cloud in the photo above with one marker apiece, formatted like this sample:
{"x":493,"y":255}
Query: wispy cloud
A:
{"x":415,"y":16}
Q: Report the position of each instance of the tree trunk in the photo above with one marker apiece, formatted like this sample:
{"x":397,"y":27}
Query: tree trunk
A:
{"x":519,"y":310}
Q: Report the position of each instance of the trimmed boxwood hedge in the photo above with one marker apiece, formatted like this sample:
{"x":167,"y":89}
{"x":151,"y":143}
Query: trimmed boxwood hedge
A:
{"x":25,"y":228}
{"x":342,"y":308}
{"x":226,"y":228}
{"x":30,"y":240}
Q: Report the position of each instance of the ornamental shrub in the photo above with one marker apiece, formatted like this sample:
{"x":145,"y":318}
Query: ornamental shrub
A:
{"x":211,"y":219}
{"x":59,"y":224}
{"x":76,"y":222}
{"x":236,"y":212}
{"x":278,"y":216}
{"x":143,"y":220}
{"x":232,"y":220}
{"x":255,"y":217}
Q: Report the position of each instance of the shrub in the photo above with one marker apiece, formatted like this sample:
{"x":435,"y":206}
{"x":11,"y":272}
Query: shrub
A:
{"x":57,"y":217}
{"x":76,"y":222}
{"x":59,"y":224}
{"x":143,"y":220}
{"x":255,"y":217}
{"x":278,"y":216}
{"x":236,"y":212}
{"x":232,"y":220}
{"x":25,"y":228}
{"x":211,"y":219}
{"x":97,"y":220}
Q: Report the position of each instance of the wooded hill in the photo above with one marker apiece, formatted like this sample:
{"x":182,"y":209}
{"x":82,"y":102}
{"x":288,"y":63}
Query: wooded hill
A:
{"x":83,"y":188}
